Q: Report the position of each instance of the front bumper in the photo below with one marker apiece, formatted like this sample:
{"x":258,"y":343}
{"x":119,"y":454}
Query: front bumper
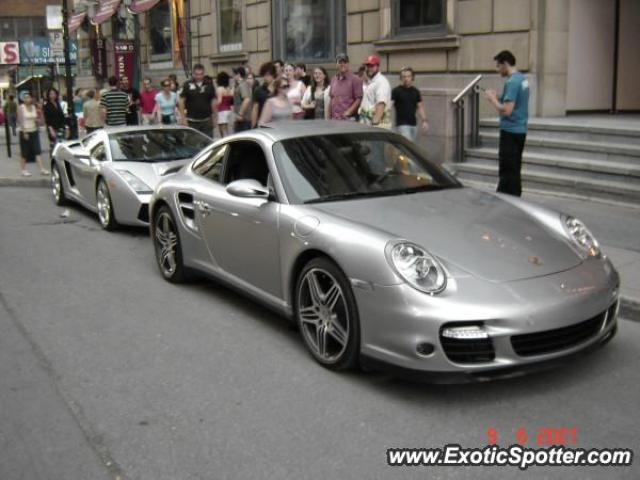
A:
{"x":397,"y":321}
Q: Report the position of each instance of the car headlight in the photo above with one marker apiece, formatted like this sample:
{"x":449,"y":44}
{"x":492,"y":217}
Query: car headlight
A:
{"x":416,"y":266}
{"x":582,"y":237}
{"x":134,"y":182}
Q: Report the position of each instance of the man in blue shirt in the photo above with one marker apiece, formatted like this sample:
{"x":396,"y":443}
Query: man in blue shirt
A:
{"x":513,"y":108}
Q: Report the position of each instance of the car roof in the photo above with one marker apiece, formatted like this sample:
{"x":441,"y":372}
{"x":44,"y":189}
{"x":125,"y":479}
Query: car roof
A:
{"x":284,"y":130}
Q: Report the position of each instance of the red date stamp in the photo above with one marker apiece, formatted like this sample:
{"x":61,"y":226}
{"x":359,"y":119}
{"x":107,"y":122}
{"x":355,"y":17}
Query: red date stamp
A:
{"x":540,"y":436}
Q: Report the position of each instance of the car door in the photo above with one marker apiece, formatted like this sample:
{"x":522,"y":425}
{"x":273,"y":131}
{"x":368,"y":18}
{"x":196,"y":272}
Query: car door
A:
{"x":242,"y":233}
{"x":85,"y":169}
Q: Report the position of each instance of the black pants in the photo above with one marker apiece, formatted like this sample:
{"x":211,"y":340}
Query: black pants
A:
{"x":510,"y":162}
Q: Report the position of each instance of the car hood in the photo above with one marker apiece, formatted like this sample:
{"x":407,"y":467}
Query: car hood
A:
{"x":476,"y":231}
{"x":150,"y":173}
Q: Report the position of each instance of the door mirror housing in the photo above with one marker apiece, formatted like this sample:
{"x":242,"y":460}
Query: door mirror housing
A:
{"x":248,"y":188}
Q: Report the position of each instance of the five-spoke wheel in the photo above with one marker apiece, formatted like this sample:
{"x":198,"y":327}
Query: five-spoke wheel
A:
{"x":166,"y":240}
{"x":327,"y":315}
{"x":105,"y":207}
{"x":56,"y":186}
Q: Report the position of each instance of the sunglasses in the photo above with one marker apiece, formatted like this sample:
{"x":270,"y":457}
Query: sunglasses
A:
{"x":286,"y":85}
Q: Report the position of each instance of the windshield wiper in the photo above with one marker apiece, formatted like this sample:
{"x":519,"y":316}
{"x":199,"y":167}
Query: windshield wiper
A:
{"x":341,"y":196}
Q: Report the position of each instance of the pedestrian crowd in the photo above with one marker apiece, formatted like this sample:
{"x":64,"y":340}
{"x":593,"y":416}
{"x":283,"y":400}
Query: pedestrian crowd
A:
{"x":232,"y":102}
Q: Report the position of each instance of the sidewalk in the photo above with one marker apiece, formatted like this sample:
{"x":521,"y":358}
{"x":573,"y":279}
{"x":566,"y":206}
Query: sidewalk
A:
{"x":10,"y":167}
{"x":616,"y":227}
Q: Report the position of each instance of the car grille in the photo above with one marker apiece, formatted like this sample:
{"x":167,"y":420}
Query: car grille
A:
{"x":549,"y":341}
{"x":468,"y":351}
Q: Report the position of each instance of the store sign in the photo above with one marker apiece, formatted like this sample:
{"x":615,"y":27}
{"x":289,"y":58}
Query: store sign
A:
{"x":99,"y":52}
{"x":9,"y":53}
{"x":125,"y":59}
{"x":54,"y":17}
{"x":38,"y":51}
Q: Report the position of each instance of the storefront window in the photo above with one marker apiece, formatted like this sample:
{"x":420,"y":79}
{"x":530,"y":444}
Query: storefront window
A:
{"x":419,"y":16}
{"x":160,"y":36}
{"x":230,"y":19}
{"x":312,"y":30}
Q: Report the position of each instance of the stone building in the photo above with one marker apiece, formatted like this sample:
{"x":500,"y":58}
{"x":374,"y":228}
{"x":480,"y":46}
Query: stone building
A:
{"x":579,"y":55}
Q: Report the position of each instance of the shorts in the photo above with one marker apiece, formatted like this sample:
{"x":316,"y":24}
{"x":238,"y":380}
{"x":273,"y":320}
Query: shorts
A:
{"x":30,"y":147}
{"x":223,"y":116}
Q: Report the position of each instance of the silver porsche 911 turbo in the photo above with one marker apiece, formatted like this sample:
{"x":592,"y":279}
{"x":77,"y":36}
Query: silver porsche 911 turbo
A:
{"x":113,"y":171}
{"x":382,"y":257}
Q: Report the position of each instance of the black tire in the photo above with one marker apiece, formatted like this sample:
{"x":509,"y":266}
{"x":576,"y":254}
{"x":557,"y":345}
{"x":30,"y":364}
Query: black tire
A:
{"x":163,"y":222}
{"x":106,"y":214}
{"x":339,"y":326}
{"x":57,"y":187}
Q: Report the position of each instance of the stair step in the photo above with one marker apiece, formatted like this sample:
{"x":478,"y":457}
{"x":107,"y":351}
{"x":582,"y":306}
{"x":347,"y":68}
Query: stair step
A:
{"x":628,"y":134}
{"x":627,"y":192}
{"x":571,"y":148}
{"x":631,"y":171}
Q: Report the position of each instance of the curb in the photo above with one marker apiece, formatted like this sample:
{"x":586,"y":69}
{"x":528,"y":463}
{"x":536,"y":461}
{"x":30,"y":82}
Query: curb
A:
{"x":25,"y":181}
{"x":629,"y":309}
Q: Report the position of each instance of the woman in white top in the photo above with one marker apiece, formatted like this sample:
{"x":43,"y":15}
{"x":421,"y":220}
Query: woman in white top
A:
{"x":28,"y":118}
{"x":295,"y":92}
{"x":316,"y":98}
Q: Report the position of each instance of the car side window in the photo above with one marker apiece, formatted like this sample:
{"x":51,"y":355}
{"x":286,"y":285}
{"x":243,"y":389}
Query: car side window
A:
{"x":99,"y":153}
{"x":210,"y":165}
{"x":246,"y":160}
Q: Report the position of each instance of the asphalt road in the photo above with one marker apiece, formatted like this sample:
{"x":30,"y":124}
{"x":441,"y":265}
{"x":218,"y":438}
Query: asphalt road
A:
{"x":108,"y":371}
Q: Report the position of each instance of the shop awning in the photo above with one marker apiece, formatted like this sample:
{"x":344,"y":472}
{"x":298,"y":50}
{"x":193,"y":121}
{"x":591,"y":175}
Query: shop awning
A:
{"x":76,"y":20}
{"x":105,"y":10}
{"x":139,"y":6}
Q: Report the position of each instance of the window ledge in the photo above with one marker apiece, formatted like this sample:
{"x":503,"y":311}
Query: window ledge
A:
{"x":229,"y":57}
{"x":412,"y":44}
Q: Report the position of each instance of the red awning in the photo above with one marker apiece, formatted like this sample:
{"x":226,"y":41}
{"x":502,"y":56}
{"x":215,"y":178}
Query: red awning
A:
{"x":139,"y":6}
{"x":75,"y":21}
{"x":105,"y":10}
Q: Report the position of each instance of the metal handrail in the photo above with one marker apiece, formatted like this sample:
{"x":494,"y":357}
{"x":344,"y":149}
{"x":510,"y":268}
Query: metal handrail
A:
{"x":466,"y":89}
{"x":459,"y":101}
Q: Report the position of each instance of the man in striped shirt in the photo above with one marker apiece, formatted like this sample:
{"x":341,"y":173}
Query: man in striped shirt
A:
{"x":115,"y":104}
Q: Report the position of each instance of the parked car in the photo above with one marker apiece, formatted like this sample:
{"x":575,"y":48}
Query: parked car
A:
{"x":113,"y":171}
{"x":382,"y":257}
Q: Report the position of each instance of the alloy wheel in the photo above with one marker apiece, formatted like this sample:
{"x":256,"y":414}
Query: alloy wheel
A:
{"x":104,"y":204}
{"x":56,"y":185}
{"x":166,"y":240}
{"x":324,"y":316}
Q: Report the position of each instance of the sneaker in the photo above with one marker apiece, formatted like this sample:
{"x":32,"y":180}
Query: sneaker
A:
{"x":25,"y":173}
{"x":44,"y":172}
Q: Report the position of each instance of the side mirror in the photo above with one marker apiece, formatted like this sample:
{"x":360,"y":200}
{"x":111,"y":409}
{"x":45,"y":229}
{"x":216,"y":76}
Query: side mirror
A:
{"x":248,"y":188}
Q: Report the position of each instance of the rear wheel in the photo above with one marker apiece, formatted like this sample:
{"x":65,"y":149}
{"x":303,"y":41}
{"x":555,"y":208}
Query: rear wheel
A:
{"x":327,"y":315}
{"x":166,"y":241}
{"x":56,"y":185}
{"x":105,"y":207}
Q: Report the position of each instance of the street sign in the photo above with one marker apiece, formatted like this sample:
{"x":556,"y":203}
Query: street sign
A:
{"x":54,"y":17}
{"x":56,"y":43}
{"x":9,"y":53}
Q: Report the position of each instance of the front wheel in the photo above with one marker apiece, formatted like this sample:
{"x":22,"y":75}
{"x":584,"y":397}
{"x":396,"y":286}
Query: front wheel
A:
{"x":166,"y":241}
{"x":327,"y":315}
{"x":56,"y":186}
{"x":105,"y":207}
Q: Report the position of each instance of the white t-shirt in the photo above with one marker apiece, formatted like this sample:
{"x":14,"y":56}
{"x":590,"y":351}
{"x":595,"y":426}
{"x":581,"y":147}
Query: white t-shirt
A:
{"x":376,"y":90}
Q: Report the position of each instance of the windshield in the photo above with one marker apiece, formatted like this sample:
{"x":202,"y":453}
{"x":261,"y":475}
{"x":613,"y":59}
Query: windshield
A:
{"x":342,"y":166}
{"x":156,"y":145}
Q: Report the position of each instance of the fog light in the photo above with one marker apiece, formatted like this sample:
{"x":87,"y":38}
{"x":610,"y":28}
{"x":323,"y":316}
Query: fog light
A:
{"x":468,"y":332}
{"x":425,"y":349}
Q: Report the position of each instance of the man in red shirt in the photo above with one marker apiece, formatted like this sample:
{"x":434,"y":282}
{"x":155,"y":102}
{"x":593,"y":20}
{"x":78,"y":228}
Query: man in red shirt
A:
{"x":346,"y":91}
{"x":148,"y":102}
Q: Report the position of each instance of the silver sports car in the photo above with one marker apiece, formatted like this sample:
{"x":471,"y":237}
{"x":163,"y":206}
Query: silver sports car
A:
{"x":384,"y":258}
{"x":114,"y":171}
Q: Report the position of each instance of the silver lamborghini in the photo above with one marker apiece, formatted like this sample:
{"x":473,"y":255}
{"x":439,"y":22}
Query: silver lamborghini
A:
{"x":113,"y":171}
{"x":381,"y":257}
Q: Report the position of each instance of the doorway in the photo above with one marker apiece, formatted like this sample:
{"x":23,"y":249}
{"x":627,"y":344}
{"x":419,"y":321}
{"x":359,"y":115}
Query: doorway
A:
{"x":603,"y":63}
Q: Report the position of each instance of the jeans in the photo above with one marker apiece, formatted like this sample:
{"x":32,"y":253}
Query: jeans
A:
{"x":241,"y":126}
{"x":510,"y":162}
{"x":410,"y":132}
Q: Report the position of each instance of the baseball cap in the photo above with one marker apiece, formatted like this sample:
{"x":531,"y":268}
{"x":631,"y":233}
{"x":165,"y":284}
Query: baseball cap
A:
{"x":372,"y":60}
{"x":342,"y":57}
